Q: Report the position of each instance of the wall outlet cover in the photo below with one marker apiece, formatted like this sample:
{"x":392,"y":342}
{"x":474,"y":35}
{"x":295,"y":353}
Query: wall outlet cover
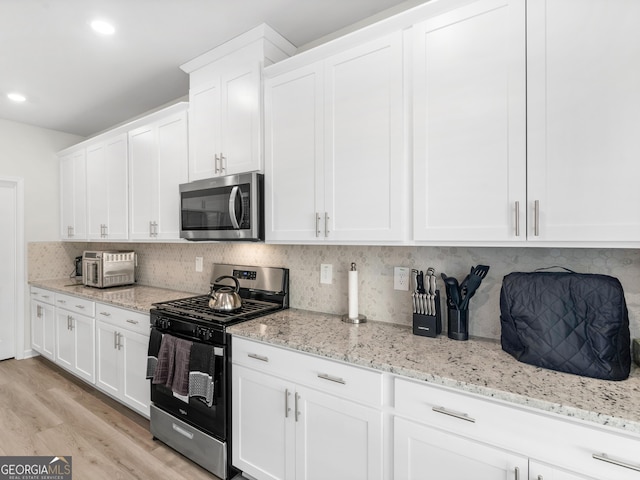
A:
{"x":401,"y":278}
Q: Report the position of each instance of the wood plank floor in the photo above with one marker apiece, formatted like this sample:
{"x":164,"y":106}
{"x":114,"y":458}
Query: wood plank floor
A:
{"x":46,"y":411}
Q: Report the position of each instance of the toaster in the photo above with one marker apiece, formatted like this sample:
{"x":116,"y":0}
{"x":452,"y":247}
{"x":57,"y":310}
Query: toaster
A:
{"x":104,"y":269}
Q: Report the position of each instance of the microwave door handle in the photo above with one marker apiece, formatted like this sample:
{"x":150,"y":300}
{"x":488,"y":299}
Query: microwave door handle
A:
{"x":232,"y":207}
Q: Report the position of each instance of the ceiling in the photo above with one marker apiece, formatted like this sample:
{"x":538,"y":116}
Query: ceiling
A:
{"x":79,"y":82}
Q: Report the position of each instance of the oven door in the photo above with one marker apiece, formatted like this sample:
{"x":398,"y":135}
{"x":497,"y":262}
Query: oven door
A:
{"x":223,"y":208}
{"x":210,"y":419}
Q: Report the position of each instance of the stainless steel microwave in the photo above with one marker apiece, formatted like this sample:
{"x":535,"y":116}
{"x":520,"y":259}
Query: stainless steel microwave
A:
{"x":223,"y":208}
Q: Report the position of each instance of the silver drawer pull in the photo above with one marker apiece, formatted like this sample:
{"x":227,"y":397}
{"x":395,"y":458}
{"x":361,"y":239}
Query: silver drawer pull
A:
{"x":106,"y":314}
{"x":603,"y":457}
{"x":182,"y":431}
{"x":325,"y":376}
{"x":81,"y":307}
{"x":62,"y":301}
{"x":45,"y":296}
{"x":135,"y":322}
{"x":451,"y":413}
{"x":262,"y":358}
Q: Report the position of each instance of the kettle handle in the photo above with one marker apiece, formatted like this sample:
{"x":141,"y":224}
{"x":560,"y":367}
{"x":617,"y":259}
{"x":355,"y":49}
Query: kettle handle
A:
{"x":235,"y":280}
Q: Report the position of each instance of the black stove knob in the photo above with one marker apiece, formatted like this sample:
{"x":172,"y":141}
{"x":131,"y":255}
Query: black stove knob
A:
{"x":164,"y":323}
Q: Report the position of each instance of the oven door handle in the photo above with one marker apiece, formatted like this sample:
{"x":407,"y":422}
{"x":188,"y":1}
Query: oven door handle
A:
{"x":232,"y":207}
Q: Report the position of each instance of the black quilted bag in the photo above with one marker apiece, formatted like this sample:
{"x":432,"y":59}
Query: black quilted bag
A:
{"x":566,"y":321}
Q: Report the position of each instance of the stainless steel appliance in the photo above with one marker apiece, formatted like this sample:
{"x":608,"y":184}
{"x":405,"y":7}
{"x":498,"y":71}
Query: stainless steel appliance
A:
{"x":223,"y":208}
{"x":199,"y":430}
{"x":103,"y":269}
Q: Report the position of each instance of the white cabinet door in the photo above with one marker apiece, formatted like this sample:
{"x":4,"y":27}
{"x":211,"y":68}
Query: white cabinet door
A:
{"x":294,"y":175}
{"x":43,"y":329}
{"x":157,"y":166}
{"x":65,"y":346}
{"x":108,"y":368}
{"x":107,"y":189}
{"x":583,"y":103}
{"x":540,"y":471}
{"x":225,"y":116}
{"x":425,"y":453}
{"x":73,"y":199}
{"x":135,"y":386}
{"x":335,"y":160}
{"x":336,"y":438}
{"x":469,"y":130}
{"x":263,"y":425}
{"x":204,"y":129}
{"x":75,"y":344}
{"x":364,"y":142}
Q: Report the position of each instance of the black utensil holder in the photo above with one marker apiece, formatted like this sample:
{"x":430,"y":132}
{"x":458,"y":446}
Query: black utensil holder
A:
{"x":428,"y":325}
{"x":458,"y":324}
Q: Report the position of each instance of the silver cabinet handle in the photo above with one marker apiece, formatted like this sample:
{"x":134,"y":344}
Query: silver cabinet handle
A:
{"x":326,"y":376}
{"x":69,"y":322}
{"x":317,"y":224}
{"x":326,"y":224}
{"x":540,"y":477}
{"x":222,"y":162}
{"x":451,"y":413}
{"x":81,"y":307}
{"x":216,"y":161}
{"x":603,"y":457}
{"x":262,"y":358}
{"x":135,"y":322}
{"x":46,"y":296}
{"x":106,"y":314}
{"x":536,"y":218}
{"x":38,"y":312}
{"x":286,"y":403}
{"x":115,"y":340}
{"x":517,"y":474}
{"x":297,"y":412}
{"x":517,"y":219}
{"x":119,"y":341}
{"x":62,"y":301}
{"x":153,"y":228}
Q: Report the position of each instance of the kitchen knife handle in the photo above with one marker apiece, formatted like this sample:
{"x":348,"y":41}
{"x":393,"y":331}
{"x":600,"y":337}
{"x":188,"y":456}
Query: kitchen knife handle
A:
{"x":517,"y":218}
{"x":603,"y":457}
{"x":451,"y":413}
{"x":536,"y":218}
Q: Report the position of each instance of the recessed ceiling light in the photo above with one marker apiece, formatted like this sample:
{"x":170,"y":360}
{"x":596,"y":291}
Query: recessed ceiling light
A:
{"x":16,"y":97}
{"x":105,"y":28}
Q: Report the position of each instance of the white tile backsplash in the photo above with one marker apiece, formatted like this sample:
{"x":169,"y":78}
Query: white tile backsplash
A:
{"x":172,"y":265}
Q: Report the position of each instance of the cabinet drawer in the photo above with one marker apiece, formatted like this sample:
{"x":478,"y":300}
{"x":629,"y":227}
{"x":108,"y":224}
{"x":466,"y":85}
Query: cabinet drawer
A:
{"x":123,"y":318}
{"x":75,"y":304}
{"x":329,"y":376}
{"x":45,"y":296}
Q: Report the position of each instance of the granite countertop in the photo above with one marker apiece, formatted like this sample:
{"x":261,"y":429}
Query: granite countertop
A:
{"x":477,"y":366}
{"x":133,"y":297}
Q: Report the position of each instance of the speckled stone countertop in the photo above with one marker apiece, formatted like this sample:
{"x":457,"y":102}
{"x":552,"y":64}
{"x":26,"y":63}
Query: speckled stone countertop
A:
{"x":134,"y":297}
{"x":477,"y":366}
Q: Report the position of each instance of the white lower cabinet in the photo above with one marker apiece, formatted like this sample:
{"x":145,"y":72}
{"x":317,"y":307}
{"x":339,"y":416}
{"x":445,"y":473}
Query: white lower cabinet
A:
{"x":285,"y":429}
{"x":75,"y":333}
{"x":43,"y":322}
{"x":423,"y":452}
{"x":122,"y":338}
{"x":540,"y":471}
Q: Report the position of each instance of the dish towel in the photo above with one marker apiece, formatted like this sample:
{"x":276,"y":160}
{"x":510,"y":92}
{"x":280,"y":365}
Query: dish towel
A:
{"x":202,"y":373}
{"x":155,"y":339}
{"x":172,"y":369}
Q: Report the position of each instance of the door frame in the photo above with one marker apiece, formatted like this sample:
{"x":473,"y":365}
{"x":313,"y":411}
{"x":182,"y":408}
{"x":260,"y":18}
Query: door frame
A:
{"x":17,"y":185}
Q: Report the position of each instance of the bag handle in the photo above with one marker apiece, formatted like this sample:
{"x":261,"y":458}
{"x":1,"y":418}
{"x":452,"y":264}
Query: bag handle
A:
{"x":554,"y":266}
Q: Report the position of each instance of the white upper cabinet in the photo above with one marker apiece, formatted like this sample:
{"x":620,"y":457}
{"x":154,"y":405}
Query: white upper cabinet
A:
{"x":73,"y":194}
{"x":583,"y":104}
{"x":225,"y":115}
{"x":469,"y":124}
{"x":107,"y":189}
{"x":157,"y":166}
{"x":335,"y":159}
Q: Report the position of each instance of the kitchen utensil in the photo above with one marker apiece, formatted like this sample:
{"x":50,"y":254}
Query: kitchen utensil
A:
{"x":453,"y":291}
{"x":432,"y":292}
{"x":421,"y":291}
{"x":414,"y":290}
{"x":226,"y":298}
{"x":475,"y":279}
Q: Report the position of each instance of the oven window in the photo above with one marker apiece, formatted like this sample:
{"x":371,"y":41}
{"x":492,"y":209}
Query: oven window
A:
{"x":220,"y":208}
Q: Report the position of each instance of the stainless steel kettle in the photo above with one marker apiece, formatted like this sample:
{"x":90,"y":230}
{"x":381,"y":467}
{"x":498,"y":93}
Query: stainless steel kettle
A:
{"x":225,"y":299}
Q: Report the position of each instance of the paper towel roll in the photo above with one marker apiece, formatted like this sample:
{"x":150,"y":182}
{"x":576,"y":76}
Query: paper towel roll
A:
{"x":353,"y":294}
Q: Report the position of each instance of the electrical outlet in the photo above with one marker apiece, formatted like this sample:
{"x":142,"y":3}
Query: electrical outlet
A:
{"x":326,"y":273}
{"x":401,"y":278}
{"x":198,"y":264}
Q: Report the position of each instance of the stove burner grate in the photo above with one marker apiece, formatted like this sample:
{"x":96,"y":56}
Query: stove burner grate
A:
{"x":198,"y":308}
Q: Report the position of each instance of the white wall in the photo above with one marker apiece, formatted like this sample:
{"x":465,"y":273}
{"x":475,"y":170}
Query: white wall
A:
{"x":29,"y":153}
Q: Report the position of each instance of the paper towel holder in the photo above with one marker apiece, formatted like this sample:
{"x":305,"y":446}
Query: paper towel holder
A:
{"x":360,"y":319}
{"x":352,"y":316}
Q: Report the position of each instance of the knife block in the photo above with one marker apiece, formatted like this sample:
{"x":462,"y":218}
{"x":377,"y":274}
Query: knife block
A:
{"x":428,"y":325}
